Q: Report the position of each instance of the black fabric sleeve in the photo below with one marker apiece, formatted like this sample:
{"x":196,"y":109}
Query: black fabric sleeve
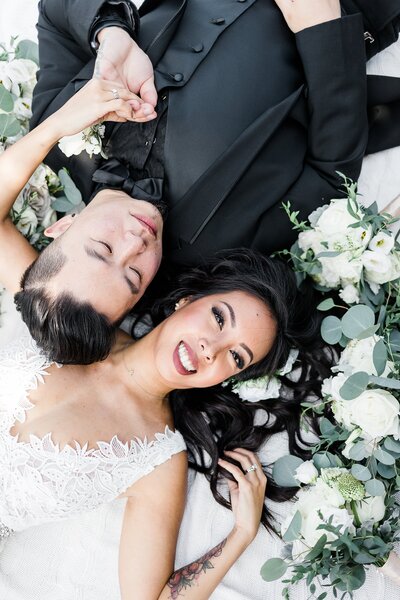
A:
{"x":114,"y":13}
{"x":333,"y":57}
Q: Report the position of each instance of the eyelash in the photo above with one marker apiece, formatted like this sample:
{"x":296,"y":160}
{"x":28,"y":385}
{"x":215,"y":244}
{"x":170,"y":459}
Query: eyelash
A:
{"x":106,"y":246}
{"x":220,"y":319}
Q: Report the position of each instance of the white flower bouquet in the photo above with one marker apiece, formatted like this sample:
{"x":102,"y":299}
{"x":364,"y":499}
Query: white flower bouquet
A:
{"x":346,"y":516}
{"x":46,"y":193}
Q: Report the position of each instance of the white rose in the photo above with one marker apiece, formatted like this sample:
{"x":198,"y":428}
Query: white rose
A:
{"x":371,"y":508}
{"x":72,"y":144}
{"x":306,"y":472}
{"x":344,"y":269}
{"x":22,"y":108}
{"x":350,"y":294}
{"x":340,"y":518}
{"x":358,"y":356}
{"x":315,"y":215}
{"x":254,"y":390}
{"x":376,"y":412}
{"x":336,"y":218}
{"x":20,"y":70}
{"x":311,"y":239}
{"x":381,"y":268}
{"x":381,"y":242}
{"x":332,"y":385}
{"x":27,"y":221}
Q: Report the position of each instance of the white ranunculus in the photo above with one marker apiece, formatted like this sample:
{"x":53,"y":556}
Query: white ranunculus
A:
{"x":381,"y":268}
{"x":358,"y":356}
{"x":306,"y":472}
{"x":381,"y":242}
{"x":343,"y":269}
{"x":335,"y":219}
{"x":72,"y":144}
{"x":293,"y":354}
{"x":261,"y":388}
{"x":371,"y":508}
{"x":376,"y":412}
{"x":350,"y":294}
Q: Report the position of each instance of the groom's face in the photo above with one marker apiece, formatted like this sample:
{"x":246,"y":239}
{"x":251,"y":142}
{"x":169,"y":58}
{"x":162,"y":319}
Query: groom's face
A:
{"x":113,"y":250}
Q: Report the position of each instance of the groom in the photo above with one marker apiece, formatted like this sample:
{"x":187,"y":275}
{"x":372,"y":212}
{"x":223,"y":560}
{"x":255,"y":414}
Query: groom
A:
{"x":258,"y":102}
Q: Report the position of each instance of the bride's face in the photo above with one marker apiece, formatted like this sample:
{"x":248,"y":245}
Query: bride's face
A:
{"x":210,"y":339}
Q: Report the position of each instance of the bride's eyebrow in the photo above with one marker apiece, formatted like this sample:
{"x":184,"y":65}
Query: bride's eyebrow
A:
{"x":249,"y":352}
{"x":231,"y":313}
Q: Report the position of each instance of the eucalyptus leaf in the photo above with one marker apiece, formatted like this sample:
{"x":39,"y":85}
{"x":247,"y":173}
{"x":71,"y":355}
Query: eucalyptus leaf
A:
{"x":324,"y":460}
{"x":386,"y":382}
{"x":317,"y":549}
{"x":394,"y":341}
{"x":284,"y":469}
{"x":361,"y":473}
{"x":354,"y":385}
{"x":386,"y":471}
{"x":391,"y":444}
{"x":6,"y":99}
{"x":374,"y":487}
{"x":331,"y":330}
{"x":357,"y":319}
{"x":358,"y":451}
{"x":27,"y":49}
{"x":368,"y":332}
{"x":326,"y":426}
{"x":351,"y":578}
{"x":328,"y":254}
{"x":69,"y":188}
{"x":9,"y":126}
{"x":273,"y":569}
{"x":326,"y":304}
{"x":379,"y":356}
{"x":293,"y":531}
{"x":384,"y":457}
{"x":62,"y":204}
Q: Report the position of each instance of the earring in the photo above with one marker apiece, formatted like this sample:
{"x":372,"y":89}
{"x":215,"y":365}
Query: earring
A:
{"x":176,"y":305}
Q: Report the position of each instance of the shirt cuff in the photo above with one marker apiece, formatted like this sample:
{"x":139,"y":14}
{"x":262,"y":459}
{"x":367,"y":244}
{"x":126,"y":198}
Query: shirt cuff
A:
{"x":114,"y":13}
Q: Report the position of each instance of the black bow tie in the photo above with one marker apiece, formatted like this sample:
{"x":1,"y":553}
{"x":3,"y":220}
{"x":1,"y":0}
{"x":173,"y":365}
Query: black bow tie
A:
{"x":115,"y":174}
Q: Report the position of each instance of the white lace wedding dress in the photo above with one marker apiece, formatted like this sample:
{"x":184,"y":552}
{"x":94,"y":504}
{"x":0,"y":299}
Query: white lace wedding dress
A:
{"x":39,"y":482}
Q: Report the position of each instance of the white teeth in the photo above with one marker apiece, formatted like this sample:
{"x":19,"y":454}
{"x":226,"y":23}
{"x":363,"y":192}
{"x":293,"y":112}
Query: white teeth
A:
{"x":184,"y":358}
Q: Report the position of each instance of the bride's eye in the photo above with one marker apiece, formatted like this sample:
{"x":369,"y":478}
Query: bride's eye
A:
{"x":219,"y":317}
{"x":238,"y":359}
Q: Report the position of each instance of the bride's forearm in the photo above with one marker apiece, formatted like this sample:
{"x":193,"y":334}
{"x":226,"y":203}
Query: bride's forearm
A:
{"x":21,"y":159}
{"x":199,"y":579}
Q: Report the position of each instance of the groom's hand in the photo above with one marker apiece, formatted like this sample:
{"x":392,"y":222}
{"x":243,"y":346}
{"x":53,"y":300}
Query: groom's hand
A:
{"x":119,"y":59}
{"x":300,"y":14}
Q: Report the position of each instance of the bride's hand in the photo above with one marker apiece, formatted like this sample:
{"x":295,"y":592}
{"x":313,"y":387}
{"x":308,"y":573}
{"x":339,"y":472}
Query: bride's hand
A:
{"x":247,"y":491}
{"x":97,"y":101}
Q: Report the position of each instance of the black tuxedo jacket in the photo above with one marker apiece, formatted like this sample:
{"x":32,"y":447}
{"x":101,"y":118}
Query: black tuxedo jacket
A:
{"x":256,"y":115}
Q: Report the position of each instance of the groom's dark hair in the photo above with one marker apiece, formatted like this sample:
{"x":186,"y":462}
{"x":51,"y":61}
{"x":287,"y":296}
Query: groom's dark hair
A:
{"x":67,"y":330}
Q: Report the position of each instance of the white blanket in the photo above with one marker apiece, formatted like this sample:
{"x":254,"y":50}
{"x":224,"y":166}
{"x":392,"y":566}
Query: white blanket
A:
{"x":78,"y":560}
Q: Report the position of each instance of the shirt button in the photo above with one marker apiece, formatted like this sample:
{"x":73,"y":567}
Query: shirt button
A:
{"x":218,"y":21}
{"x":177,"y":77}
{"x":198,"y":48}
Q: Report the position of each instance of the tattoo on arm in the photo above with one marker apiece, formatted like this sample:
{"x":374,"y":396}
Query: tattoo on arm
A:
{"x":186,"y":577}
{"x":100,"y":56}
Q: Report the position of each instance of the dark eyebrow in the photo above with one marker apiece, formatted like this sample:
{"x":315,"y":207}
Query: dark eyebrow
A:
{"x":90,"y":252}
{"x":231,"y":313}
{"x":249,"y":352}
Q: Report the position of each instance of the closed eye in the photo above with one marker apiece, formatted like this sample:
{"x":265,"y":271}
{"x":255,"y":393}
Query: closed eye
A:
{"x":105,"y":244}
{"x":137,"y":272}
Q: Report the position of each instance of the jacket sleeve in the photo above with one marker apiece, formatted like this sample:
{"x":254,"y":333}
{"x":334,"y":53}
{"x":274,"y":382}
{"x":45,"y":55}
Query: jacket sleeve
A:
{"x":333,"y":57}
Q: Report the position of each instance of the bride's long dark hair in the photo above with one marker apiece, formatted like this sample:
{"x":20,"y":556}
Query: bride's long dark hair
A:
{"x":215,"y":419}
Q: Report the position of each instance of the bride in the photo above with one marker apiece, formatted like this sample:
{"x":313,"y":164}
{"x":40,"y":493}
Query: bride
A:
{"x":75,"y":437}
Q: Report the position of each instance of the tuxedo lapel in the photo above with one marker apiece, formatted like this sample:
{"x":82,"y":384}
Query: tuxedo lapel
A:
{"x":195,"y":209}
{"x":158,"y":26}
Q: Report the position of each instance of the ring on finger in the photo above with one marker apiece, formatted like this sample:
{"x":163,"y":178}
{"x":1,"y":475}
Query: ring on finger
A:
{"x":252,"y":467}
{"x":115,"y":93}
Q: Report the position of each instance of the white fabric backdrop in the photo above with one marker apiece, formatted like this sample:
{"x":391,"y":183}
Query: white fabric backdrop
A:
{"x":77,"y":560}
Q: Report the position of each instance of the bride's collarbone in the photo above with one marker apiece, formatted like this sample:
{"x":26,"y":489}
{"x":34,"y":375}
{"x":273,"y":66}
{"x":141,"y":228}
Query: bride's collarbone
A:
{"x":86,"y":405}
